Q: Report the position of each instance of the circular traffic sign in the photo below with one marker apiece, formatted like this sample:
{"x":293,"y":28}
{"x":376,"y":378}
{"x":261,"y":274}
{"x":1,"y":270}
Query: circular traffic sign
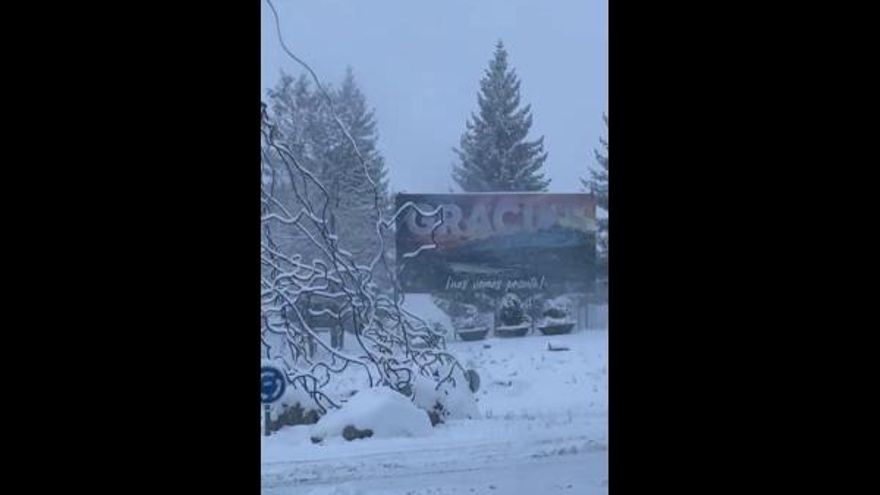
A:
{"x":272,"y":384}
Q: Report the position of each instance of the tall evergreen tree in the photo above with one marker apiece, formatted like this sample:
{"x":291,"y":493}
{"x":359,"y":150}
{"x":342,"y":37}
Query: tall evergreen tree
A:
{"x":295,"y":111}
{"x":356,"y":194}
{"x":597,"y":184}
{"x":494,"y":154}
{"x":351,"y":108}
{"x":288,"y":102}
{"x":311,"y":132}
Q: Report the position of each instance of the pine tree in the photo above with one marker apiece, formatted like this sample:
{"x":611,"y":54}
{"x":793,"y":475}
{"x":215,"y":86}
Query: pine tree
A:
{"x":598,"y":181}
{"x":355,"y":193}
{"x":597,"y":184}
{"x":310,"y":130}
{"x":295,"y":111}
{"x":493,"y":152}
{"x":351,"y":108}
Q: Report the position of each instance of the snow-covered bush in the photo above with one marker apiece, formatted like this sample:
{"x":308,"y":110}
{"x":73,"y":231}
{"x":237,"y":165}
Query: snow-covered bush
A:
{"x":512,"y":312}
{"x":470,"y":318}
{"x":557,"y":310}
{"x":445,"y":402}
{"x":375,"y":412}
{"x":294,"y":408}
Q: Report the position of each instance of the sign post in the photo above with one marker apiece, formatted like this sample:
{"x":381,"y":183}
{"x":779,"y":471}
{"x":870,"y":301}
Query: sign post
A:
{"x":272,"y":386}
{"x":266,"y":416}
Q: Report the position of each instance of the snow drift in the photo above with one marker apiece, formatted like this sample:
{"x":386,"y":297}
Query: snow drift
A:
{"x":383,"y":411}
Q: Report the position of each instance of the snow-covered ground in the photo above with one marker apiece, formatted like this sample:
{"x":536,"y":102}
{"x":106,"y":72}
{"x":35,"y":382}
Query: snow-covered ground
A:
{"x":543,"y":431}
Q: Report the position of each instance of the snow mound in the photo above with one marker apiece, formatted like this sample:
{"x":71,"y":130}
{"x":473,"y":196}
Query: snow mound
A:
{"x":383,"y":411}
{"x":454,"y":402}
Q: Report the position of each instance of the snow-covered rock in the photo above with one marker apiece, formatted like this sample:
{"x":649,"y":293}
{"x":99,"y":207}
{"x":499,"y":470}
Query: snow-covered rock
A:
{"x":383,"y":411}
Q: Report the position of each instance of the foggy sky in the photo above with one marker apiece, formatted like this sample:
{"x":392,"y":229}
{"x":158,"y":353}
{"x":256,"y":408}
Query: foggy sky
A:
{"x":419,"y":65}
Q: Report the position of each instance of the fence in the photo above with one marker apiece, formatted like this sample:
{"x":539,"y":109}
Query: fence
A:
{"x":593,"y":317}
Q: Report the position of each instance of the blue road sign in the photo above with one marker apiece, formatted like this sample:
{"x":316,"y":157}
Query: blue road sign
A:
{"x":272,"y":384}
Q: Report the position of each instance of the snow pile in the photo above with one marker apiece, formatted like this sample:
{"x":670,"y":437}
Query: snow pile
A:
{"x":448,"y":402}
{"x":383,"y":411}
{"x":422,"y":306}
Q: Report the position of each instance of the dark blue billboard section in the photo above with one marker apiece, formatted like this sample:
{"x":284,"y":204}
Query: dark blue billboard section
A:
{"x":496,"y":242}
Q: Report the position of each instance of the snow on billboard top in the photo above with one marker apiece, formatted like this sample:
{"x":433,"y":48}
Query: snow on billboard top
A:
{"x":496,"y":241}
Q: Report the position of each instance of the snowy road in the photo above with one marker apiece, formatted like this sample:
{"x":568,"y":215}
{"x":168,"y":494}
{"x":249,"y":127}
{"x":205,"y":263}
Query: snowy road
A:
{"x":512,"y":455}
{"x":582,"y":473}
{"x":544,"y":431}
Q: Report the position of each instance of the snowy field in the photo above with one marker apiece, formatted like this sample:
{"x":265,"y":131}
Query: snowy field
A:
{"x":543,"y":431}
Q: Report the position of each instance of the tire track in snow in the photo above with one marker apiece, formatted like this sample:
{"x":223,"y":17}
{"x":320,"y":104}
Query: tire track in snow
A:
{"x":449,"y":458}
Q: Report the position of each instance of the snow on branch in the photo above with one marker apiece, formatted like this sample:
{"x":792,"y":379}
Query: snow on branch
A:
{"x":301,"y":301}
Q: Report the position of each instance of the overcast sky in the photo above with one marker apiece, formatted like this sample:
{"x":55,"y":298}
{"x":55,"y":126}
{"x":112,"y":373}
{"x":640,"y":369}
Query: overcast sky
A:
{"x":419,"y":64}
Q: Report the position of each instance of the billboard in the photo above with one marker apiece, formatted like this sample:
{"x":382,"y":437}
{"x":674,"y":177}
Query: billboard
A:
{"x":496,"y":242}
